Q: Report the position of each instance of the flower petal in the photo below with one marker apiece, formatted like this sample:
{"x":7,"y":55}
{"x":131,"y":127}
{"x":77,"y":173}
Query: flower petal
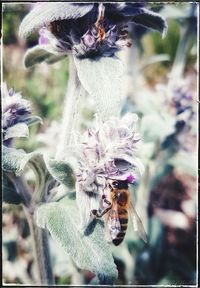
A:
{"x":47,"y":12}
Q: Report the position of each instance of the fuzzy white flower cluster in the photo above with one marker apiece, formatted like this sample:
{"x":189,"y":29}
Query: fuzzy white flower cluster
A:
{"x":15,"y":110}
{"x":108,"y":151}
{"x":16,"y":115}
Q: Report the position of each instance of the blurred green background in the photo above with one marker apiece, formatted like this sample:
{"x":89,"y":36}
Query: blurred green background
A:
{"x":170,"y":257}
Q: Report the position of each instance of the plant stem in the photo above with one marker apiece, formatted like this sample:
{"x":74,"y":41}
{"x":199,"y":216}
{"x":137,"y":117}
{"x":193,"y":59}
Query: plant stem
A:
{"x":21,"y":188}
{"x":41,"y":251}
{"x":39,"y":236}
{"x":70,"y":109}
{"x":187,"y":32}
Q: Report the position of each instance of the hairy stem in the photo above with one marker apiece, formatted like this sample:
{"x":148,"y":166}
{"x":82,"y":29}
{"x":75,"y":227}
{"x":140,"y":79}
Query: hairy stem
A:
{"x":39,"y":236}
{"x":70,"y":110}
{"x":21,"y":188}
{"x":41,"y":251}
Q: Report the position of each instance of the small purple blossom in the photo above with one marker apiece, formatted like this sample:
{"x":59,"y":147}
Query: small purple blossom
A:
{"x":108,"y":151}
{"x":130,"y":178}
{"x":42,"y":39}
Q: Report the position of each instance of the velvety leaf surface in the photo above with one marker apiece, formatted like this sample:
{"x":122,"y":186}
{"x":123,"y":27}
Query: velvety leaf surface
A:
{"x":142,"y":16}
{"x":102,"y":80}
{"x":61,"y":171}
{"x":14,"y":160}
{"x":54,"y":58}
{"x":151,"y":20}
{"x":38,"y":54}
{"x":44,"y":169}
{"x":89,"y":250}
{"x":31,"y":120}
{"x":44,"y":13}
{"x":18,"y":130}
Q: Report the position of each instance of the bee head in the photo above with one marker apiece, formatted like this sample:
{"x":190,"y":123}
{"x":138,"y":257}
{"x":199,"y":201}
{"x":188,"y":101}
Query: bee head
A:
{"x":119,"y":184}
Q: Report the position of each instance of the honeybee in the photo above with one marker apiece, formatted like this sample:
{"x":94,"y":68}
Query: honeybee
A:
{"x":116,"y":202}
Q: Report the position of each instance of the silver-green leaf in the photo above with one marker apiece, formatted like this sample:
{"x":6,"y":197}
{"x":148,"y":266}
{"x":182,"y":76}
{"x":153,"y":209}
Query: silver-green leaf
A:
{"x":14,"y":160}
{"x":90,"y":250}
{"x":102,"y":79}
{"x":45,"y":12}
{"x":45,"y":169}
{"x":17,"y":161}
{"x":40,"y":53}
{"x":152,"y":20}
{"x":32,"y":119}
{"x":61,"y":171}
{"x":17,"y":130}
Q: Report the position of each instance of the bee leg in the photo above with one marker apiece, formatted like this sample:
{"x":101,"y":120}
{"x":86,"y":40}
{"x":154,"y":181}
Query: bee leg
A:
{"x":99,"y":213}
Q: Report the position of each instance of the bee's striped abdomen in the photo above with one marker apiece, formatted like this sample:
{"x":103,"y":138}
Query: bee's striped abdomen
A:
{"x":123,"y":220}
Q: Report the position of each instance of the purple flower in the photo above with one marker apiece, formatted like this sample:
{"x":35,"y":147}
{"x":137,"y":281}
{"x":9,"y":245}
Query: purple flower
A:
{"x":43,"y":40}
{"x":108,"y":151}
{"x":16,"y":115}
{"x":179,"y":100}
{"x":88,"y":29}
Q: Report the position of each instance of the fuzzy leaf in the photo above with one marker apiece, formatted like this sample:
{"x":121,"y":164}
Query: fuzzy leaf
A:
{"x":151,"y":20}
{"x":61,"y":171}
{"x":89,"y":252}
{"x":38,"y":54}
{"x":102,"y":80}
{"x":141,"y":16}
{"x":16,"y":161}
{"x":31,"y":120}
{"x":44,"y":13}
{"x":17,"y":130}
{"x":54,"y":58}
{"x":10,"y":194}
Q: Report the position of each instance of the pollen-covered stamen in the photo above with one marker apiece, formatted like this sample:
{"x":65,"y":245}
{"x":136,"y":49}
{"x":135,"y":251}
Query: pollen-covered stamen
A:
{"x":101,"y":14}
{"x":101,"y":34}
{"x":99,"y":24}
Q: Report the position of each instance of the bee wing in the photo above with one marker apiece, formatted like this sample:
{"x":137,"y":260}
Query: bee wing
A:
{"x":107,"y":230}
{"x":137,"y":223}
{"x":111,"y":225}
